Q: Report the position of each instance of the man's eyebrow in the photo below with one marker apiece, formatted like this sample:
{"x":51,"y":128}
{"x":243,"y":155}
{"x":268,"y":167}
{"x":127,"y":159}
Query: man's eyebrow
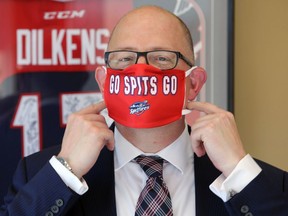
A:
{"x":149,"y":49}
{"x":124,"y":48}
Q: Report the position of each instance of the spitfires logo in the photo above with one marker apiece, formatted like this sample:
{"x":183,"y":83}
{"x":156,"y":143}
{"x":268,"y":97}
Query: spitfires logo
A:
{"x":139,"y":107}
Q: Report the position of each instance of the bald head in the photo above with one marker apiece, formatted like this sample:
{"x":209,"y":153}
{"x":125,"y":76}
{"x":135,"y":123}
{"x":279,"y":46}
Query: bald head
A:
{"x":149,"y":28}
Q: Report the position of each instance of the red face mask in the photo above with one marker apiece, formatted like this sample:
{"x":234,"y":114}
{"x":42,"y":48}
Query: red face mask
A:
{"x":142,"y":96}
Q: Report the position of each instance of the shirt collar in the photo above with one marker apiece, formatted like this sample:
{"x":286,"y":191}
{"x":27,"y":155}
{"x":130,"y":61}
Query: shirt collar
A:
{"x":125,"y":152}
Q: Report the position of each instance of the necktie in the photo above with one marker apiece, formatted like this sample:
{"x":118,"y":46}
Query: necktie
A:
{"x":154,"y":198}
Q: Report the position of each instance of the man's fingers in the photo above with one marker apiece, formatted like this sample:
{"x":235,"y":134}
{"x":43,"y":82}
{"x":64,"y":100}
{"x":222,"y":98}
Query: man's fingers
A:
{"x":197,"y":144}
{"x":110,"y":145}
{"x":106,"y":137}
{"x":203,"y":107}
{"x":94,"y":108}
{"x":109,"y":139}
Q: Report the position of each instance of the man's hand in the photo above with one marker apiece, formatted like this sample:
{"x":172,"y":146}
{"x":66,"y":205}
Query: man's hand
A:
{"x":216,"y":134}
{"x":85,"y":135}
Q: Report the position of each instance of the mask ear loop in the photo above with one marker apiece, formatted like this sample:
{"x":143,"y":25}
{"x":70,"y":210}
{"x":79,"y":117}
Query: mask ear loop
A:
{"x":104,"y":112}
{"x":105,"y":69}
{"x":187,"y":73}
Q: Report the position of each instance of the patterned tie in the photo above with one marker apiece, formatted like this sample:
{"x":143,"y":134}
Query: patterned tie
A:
{"x":154,"y":198}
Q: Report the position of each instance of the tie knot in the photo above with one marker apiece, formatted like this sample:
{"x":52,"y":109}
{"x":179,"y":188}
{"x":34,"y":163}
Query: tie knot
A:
{"x":152,"y":165}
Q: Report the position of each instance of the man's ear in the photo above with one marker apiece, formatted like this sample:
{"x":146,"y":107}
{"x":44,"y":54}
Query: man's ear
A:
{"x":100,"y":76}
{"x":197,"y":79}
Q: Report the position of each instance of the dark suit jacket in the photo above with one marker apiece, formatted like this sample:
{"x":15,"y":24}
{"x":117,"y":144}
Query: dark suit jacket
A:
{"x":37,"y":190}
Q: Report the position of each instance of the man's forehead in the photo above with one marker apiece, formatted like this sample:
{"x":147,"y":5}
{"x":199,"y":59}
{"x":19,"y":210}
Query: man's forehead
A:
{"x":147,"y":23}
{"x":147,"y":11}
{"x":146,"y":17}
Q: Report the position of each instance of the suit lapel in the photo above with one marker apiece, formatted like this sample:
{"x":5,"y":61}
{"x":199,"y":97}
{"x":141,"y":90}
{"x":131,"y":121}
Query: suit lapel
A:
{"x":100,"y":198}
{"x":207,"y":203}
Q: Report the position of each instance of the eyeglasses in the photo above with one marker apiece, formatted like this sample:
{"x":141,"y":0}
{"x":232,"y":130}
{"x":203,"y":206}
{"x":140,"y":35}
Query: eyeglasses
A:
{"x":162,"y":59}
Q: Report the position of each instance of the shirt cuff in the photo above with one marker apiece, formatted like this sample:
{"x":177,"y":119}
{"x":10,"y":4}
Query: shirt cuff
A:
{"x":245,"y":171}
{"x":72,"y":181}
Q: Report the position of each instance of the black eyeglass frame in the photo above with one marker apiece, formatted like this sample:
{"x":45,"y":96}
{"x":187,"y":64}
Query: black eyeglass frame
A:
{"x":139,"y":54}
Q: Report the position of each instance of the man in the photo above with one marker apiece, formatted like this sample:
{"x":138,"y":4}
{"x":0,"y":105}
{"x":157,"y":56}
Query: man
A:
{"x":148,"y":53}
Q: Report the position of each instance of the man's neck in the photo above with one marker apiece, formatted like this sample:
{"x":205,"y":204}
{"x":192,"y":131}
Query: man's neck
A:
{"x":152,"y":140}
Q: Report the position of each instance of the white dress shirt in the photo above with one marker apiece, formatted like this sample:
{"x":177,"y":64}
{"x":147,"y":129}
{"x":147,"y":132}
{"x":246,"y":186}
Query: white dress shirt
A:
{"x":178,"y":173}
